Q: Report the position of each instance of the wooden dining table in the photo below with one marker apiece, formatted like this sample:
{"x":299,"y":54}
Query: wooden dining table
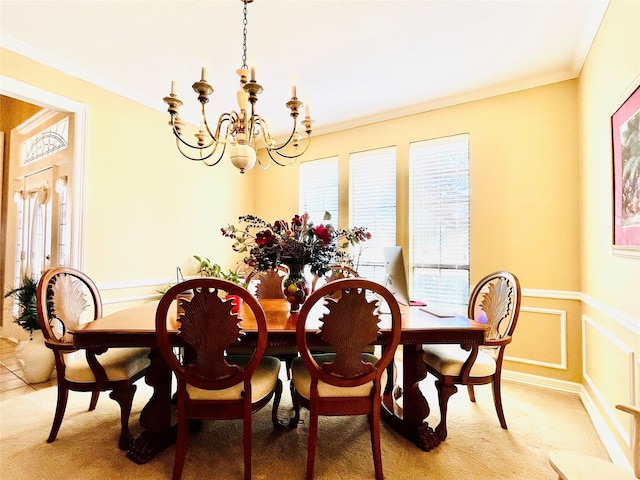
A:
{"x":404,"y":407}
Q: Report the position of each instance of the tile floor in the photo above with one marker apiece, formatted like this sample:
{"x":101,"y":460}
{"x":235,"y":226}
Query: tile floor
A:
{"x":12,"y":382}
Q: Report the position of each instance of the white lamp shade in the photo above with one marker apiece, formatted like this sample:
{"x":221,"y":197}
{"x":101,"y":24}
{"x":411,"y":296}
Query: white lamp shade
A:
{"x":243,"y":157}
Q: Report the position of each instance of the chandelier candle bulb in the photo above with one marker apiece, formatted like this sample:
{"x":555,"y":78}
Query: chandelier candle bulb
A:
{"x":293,"y":91}
{"x":204,"y":73}
{"x":253,"y":74}
{"x":173,"y":87}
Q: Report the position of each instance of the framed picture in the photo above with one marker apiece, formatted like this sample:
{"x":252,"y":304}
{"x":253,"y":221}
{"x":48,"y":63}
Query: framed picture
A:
{"x":625,"y":137}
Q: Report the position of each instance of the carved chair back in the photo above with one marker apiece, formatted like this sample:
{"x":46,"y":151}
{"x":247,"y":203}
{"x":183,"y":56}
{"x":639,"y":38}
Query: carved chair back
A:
{"x":208,"y":327}
{"x":66,"y":298}
{"x":269,"y":283}
{"x":495,"y":301}
{"x":349,"y":325}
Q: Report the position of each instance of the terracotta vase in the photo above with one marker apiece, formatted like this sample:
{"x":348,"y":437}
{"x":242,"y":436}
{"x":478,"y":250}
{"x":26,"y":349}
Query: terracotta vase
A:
{"x":37,"y":361}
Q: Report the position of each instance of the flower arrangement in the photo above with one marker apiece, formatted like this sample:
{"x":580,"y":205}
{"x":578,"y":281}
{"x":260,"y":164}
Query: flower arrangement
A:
{"x":295,"y":244}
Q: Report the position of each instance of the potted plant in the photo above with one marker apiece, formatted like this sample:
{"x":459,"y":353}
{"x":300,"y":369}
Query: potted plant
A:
{"x":209,"y":269}
{"x":25,"y":297}
{"x":36,"y":359}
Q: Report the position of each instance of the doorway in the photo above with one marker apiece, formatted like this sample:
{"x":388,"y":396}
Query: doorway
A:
{"x":43,"y":200}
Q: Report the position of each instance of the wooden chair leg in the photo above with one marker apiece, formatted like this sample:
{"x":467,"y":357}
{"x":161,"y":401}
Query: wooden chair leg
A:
{"x":247,"y":444}
{"x":124,"y":398}
{"x":277,"y":423}
{"x":61,"y":405}
{"x":293,"y":422}
{"x":376,"y":450}
{"x":181,"y":443}
{"x":287,"y":364}
{"x":94,"y":400}
{"x":445,"y":391}
{"x":313,"y":441}
{"x":472,"y":393}
{"x":497,"y":401}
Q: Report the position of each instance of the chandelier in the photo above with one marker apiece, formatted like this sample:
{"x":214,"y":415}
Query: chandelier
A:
{"x":240,"y":133}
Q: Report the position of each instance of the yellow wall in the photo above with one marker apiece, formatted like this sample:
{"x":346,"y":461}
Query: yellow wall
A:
{"x":610,"y":284}
{"x":523,"y":149}
{"x":612,"y":66}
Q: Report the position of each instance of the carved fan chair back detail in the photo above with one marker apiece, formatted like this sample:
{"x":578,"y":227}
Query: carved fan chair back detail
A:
{"x":347,"y":382}
{"x":213,"y":385}
{"x":65,"y":298}
{"x":268,"y":284}
{"x":495,"y":300}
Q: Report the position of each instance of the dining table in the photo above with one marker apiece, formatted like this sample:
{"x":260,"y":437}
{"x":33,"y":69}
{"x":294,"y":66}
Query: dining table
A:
{"x":404,"y":407}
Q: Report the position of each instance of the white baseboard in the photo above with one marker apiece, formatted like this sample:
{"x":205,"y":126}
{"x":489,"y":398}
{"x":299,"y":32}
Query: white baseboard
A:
{"x":538,"y":381}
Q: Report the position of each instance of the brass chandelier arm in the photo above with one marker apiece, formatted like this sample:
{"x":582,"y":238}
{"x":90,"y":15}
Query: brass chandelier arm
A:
{"x":202,"y":158}
{"x":293,"y":157}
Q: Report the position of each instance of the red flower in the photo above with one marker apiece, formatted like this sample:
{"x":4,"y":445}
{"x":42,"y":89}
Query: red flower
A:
{"x":322,"y":233}
{"x":265,"y":238}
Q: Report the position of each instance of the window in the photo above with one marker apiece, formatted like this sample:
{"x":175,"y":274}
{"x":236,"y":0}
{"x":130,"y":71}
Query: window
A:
{"x":47,"y":142}
{"x":373,"y":205}
{"x":439,"y":215}
{"x":319,"y":189}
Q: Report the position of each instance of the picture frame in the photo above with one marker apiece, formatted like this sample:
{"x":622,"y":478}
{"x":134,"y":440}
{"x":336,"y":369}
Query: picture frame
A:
{"x":625,"y":138}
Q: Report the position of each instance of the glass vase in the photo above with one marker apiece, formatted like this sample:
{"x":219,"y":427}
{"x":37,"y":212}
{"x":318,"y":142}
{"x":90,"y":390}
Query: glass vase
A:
{"x":296,"y":287}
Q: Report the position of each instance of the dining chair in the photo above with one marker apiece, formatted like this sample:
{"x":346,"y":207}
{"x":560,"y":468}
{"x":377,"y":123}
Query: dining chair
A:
{"x":495,"y":300}
{"x":571,"y":465}
{"x":65,"y":298}
{"x":347,"y":382}
{"x":268,"y":285}
{"x":212,"y":384}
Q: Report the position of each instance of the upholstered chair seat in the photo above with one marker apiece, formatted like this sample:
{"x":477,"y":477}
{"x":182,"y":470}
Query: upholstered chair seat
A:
{"x":118,"y":364}
{"x":302,"y":379}
{"x":449,"y":360}
{"x":263,"y":383}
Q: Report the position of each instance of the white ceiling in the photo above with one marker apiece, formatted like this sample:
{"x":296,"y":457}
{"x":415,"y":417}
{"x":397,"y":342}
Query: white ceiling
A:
{"x":354,"y":62}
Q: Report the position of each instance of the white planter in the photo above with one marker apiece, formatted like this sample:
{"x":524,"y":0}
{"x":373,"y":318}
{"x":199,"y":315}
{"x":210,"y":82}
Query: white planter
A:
{"x":37,"y":361}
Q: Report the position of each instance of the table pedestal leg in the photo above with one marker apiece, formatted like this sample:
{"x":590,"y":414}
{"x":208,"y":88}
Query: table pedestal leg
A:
{"x":155,"y":417}
{"x":408,"y":419}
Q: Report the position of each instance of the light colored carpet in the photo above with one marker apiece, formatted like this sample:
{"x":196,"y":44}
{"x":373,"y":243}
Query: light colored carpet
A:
{"x":477,"y":448}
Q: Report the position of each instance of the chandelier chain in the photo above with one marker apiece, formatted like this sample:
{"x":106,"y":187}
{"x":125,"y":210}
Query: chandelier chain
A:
{"x":244,"y":37}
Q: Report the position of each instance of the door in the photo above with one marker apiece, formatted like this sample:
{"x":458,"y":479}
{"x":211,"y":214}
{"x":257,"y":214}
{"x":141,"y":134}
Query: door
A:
{"x":40,"y":169}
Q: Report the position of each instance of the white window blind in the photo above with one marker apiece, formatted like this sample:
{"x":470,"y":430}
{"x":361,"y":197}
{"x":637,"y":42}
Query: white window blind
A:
{"x":319,"y":189}
{"x":439,"y":211}
{"x":373,"y":205}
